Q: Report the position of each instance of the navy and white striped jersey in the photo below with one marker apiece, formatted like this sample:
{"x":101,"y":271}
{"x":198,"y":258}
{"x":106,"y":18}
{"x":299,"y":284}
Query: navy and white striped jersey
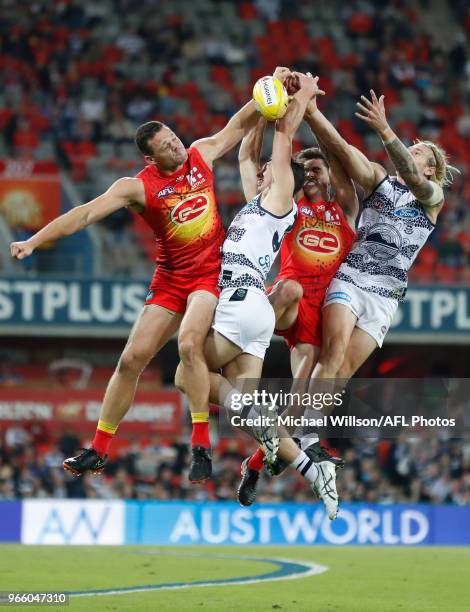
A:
{"x":393,"y":227}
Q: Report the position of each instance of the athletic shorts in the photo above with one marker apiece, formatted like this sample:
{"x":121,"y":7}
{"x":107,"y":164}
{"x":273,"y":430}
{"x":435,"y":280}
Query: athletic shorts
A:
{"x":307,"y":327}
{"x":374,"y":313}
{"x":172,"y":289}
{"x":245,"y":317}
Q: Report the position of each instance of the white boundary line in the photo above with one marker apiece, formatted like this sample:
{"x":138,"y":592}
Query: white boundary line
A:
{"x":309,"y":569}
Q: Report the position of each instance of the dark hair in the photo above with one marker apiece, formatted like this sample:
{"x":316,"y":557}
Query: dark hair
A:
{"x":312,"y":153}
{"x":299,"y":174}
{"x":144,"y":133}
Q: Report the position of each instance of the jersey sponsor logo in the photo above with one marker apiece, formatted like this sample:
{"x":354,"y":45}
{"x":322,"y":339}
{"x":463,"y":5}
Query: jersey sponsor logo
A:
{"x":190,"y":209}
{"x":383,"y":242}
{"x":332,"y":217}
{"x":195,"y":178}
{"x":318,"y":241}
{"x":406,"y":213}
{"x":165,"y":192}
{"x":265,"y":263}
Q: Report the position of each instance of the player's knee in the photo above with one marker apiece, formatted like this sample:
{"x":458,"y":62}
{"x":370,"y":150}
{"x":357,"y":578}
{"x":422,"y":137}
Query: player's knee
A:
{"x":346,"y":371}
{"x":332,"y":353}
{"x":290,"y":291}
{"x":133,"y":360}
{"x":179,"y":377}
{"x":189,"y":347}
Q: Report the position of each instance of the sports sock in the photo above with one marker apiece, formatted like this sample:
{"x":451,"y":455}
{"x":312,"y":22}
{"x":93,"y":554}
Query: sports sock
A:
{"x":200,"y":435}
{"x":103,"y":437}
{"x":255,"y":462}
{"x":305,"y":466}
{"x":309,"y":437}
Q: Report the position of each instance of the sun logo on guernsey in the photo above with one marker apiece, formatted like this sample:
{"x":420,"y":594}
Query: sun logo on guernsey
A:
{"x":190,"y":209}
{"x":318,"y":241}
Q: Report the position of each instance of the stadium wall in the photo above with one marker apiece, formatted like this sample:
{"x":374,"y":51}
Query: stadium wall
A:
{"x":66,"y":522}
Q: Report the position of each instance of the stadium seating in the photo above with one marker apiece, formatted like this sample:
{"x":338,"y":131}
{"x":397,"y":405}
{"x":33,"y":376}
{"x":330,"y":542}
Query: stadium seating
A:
{"x":98,"y":72}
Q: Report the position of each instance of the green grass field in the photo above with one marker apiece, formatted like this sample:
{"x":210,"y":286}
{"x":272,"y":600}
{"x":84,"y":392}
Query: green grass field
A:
{"x":357,"y":579}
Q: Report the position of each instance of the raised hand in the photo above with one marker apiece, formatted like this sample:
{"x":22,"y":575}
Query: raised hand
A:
{"x":373,"y":112}
{"x":309,"y":83}
{"x":282,"y":73}
{"x":20,"y":250}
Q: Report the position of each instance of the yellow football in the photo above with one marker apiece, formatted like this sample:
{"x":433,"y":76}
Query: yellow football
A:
{"x":271,"y":98}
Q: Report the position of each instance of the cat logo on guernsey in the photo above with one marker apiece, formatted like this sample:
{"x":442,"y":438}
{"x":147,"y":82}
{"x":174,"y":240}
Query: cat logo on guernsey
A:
{"x":317,"y":241}
{"x":190,"y":209}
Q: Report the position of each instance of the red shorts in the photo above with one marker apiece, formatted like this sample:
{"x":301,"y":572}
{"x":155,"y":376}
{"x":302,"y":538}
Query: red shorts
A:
{"x":307,"y":327}
{"x":172,"y":289}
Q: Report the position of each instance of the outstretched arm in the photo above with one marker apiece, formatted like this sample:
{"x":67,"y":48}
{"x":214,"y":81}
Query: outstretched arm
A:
{"x":373,"y":113}
{"x":240,"y":124}
{"x":365,"y":173}
{"x":345,"y":192}
{"x":249,"y":158}
{"x":124,"y":192}
{"x":280,"y":193}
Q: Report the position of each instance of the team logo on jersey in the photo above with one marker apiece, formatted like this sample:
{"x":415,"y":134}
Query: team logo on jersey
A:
{"x":318,"y":241}
{"x":383,"y":242}
{"x":406,"y":213}
{"x":190,"y":209}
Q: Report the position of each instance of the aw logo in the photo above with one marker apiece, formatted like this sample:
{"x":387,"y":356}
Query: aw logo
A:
{"x":190,"y":209}
{"x":72,"y":522}
{"x":318,"y":241}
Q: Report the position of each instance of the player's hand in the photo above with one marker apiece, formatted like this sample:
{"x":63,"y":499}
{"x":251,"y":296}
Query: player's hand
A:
{"x":20,"y":250}
{"x":309,"y":83}
{"x":373,"y":112}
{"x":292,"y":83}
{"x":282,"y":73}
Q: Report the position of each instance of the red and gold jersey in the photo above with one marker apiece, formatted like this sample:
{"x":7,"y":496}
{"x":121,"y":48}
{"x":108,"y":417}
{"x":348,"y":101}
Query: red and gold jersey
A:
{"x":182,"y":211}
{"x":313,"y":251}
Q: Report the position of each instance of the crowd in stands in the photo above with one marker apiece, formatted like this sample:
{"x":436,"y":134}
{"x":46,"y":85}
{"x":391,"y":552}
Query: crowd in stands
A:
{"x":423,"y":468}
{"x":78,"y":77}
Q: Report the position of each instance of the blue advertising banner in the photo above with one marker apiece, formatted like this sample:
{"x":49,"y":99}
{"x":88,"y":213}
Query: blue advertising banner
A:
{"x":440,"y":313}
{"x":75,"y":307}
{"x":10,"y":521}
{"x":49,"y":521}
{"x":160,"y":523}
{"x":109,"y":307}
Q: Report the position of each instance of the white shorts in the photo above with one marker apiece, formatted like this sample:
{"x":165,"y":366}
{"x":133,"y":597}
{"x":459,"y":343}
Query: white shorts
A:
{"x":374,"y":313}
{"x":246,"y":318}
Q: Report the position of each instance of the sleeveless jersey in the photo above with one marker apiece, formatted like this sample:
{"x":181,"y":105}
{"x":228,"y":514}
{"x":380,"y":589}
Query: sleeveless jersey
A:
{"x":181,"y":210}
{"x":314,"y":250}
{"x":252,"y":244}
{"x":393,"y":228}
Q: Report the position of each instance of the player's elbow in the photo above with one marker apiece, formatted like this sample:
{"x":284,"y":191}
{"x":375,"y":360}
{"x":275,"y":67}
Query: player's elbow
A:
{"x":82,"y":219}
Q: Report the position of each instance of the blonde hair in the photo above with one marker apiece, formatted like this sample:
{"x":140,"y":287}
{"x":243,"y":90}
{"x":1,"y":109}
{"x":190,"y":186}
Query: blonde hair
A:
{"x":444,"y":175}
